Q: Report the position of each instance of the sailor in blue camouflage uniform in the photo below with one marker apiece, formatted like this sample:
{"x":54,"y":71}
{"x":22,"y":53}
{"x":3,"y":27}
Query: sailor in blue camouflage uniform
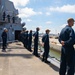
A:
{"x":36,"y":39}
{"x":26,"y":39}
{"x":66,"y":39}
{"x":45,"y":40}
{"x":30,"y":41}
{"x":4,"y":40}
{"x":22,"y":37}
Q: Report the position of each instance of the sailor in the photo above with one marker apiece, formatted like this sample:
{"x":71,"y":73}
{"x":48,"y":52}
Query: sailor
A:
{"x":30,"y":41}
{"x":8,"y":17}
{"x":4,"y":15}
{"x":22,"y":36}
{"x":4,"y":39}
{"x":66,"y":39}
{"x":26,"y":39}
{"x":45,"y":40}
{"x":13,"y":19}
{"x":36,"y":39}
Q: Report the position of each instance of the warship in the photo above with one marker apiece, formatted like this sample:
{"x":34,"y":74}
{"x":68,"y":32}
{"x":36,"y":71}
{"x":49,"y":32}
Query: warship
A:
{"x":9,"y":19}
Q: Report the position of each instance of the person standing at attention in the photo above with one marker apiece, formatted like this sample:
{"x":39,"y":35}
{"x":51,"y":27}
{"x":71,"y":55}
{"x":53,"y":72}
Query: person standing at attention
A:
{"x":4,"y":39}
{"x":45,"y":40}
{"x":66,"y":39}
{"x":36,"y":39}
{"x":30,"y":41}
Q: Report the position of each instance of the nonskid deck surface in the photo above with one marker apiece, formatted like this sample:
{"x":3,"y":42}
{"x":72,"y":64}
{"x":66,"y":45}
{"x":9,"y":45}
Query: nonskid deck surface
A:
{"x":19,"y":61}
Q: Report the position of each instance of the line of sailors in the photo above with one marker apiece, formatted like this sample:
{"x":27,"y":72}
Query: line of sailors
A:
{"x":26,"y":39}
{"x":66,"y":39}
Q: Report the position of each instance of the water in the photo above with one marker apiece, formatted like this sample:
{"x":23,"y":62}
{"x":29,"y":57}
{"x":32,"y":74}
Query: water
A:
{"x":52,"y":53}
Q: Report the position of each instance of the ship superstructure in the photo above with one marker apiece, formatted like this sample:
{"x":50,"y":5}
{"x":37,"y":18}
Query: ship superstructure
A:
{"x":9,"y":19}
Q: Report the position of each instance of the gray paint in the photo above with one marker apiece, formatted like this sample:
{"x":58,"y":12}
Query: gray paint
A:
{"x":11,"y":30}
{"x":9,"y":8}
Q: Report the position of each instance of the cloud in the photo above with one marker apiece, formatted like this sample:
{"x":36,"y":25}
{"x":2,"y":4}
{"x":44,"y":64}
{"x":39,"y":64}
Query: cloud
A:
{"x":26,"y":12}
{"x":48,"y":23}
{"x":48,"y":13}
{"x":65,"y":9}
{"x":29,"y":20}
{"x":40,"y":13}
{"x":20,"y":2}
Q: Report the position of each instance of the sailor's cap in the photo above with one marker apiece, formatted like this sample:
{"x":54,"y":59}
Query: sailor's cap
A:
{"x":5,"y":29}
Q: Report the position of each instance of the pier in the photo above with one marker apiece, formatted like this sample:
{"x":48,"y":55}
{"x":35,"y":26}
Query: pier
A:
{"x":19,"y":61}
